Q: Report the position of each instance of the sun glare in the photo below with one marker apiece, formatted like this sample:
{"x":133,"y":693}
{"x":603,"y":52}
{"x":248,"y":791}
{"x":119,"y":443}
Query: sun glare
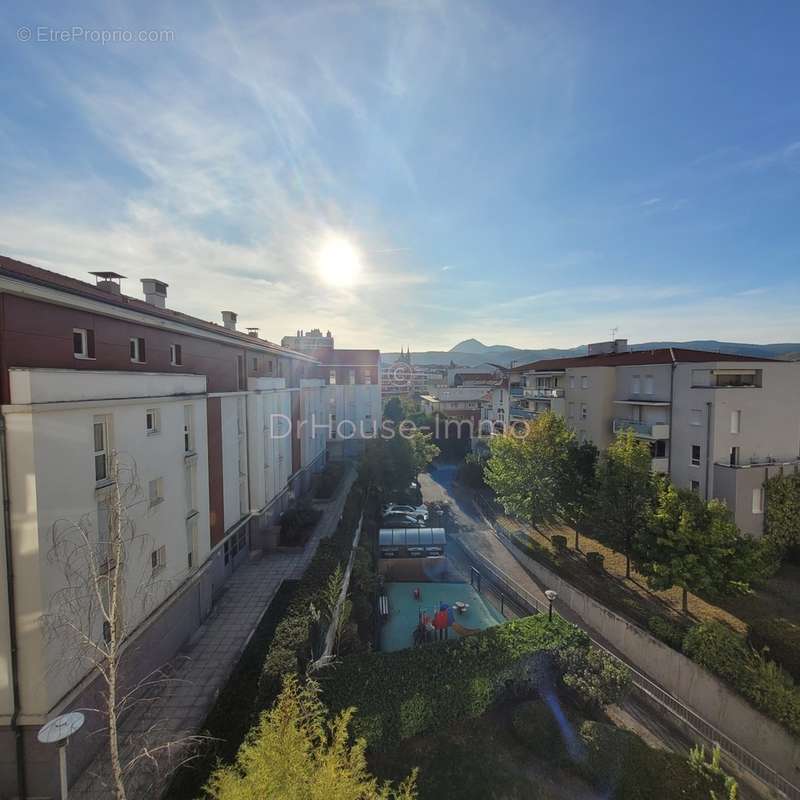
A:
{"x":339,"y":262}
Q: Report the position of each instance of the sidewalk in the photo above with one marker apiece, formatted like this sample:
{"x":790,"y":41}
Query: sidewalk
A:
{"x":201,"y":670}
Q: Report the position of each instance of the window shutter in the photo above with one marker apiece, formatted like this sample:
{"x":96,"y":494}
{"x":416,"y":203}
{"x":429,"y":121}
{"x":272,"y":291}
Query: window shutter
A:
{"x":142,"y":351}
{"x":90,"y":343}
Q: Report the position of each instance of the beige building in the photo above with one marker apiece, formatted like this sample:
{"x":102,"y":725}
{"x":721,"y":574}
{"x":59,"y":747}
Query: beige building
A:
{"x":717,"y":423}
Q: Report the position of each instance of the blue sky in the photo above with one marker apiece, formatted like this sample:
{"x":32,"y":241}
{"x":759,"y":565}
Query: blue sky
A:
{"x":526,"y":173}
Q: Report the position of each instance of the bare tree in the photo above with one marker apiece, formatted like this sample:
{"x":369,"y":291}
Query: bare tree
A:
{"x":109,"y":578}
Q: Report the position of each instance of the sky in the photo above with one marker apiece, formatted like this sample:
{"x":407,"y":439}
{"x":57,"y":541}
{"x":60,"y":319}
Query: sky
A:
{"x":413,"y":174}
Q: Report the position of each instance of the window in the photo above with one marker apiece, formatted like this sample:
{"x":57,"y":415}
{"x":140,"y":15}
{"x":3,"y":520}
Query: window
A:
{"x":138,"y":350}
{"x":696,"y":417}
{"x":368,"y":378}
{"x":584,"y":381}
{"x":155,"y":491}
{"x":191,"y":543}
{"x":352,"y":376}
{"x":649,"y":384}
{"x":333,"y":426}
{"x":158,"y":559}
{"x":571,"y":381}
{"x":100,"y":449}
{"x":176,"y":355}
{"x":152,"y":419}
{"x":255,"y":364}
{"x":584,"y":411}
{"x":758,"y":500}
{"x":636,"y":385}
{"x":241,"y":378}
{"x":332,"y":377}
{"x":734,"y":456}
{"x":695,"y":462}
{"x":696,"y":487}
{"x":658,"y":449}
{"x":188,"y":429}
{"x":736,"y":421}
{"x":190,"y":490}
{"x":83,"y":343}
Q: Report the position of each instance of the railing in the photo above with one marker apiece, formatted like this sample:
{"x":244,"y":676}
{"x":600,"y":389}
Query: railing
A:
{"x":543,"y":394}
{"x":522,"y":413}
{"x":642,"y":428}
{"x":738,"y":755}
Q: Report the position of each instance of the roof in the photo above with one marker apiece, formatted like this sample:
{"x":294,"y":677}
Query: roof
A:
{"x":465,"y":393}
{"x":349,"y":358}
{"x":664,"y":355}
{"x":43,"y":277}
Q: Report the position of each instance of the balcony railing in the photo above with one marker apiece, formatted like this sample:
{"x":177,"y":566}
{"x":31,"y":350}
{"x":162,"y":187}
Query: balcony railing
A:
{"x":543,"y":394}
{"x":647,"y":430}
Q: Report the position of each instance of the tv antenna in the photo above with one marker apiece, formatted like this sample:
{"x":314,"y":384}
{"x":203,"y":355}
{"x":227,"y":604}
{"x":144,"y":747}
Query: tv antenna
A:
{"x":614,"y":333}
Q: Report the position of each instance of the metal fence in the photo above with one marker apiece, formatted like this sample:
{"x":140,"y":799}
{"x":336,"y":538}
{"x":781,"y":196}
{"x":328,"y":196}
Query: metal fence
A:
{"x":738,"y":756}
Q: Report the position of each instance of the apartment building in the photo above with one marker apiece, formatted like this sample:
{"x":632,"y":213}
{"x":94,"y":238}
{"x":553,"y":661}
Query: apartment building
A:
{"x":225,"y":430}
{"x":717,"y":423}
{"x":403,"y":378}
{"x":462,"y":403}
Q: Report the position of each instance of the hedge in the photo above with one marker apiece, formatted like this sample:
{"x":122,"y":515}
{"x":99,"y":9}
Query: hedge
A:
{"x":781,"y":637}
{"x":621,"y":765}
{"x":407,"y":692}
{"x":759,"y":680}
{"x":667,"y":631}
{"x":536,"y":728}
{"x":782,"y":523}
{"x":291,"y":645}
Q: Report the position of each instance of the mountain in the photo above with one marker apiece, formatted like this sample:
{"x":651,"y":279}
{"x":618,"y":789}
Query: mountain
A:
{"x":471,"y":352}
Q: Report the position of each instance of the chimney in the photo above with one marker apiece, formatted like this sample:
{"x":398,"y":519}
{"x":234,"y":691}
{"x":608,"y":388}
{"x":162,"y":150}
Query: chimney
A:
{"x":229,"y":320}
{"x":108,"y":282}
{"x":155,"y":292}
{"x":252,"y":332}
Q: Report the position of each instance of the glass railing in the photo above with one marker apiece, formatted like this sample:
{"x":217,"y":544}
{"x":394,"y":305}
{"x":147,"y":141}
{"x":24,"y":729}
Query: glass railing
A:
{"x":642,"y":428}
{"x":543,"y":394}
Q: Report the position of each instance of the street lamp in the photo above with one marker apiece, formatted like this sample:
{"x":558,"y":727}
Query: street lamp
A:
{"x":58,"y":731}
{"x":551,"y":596}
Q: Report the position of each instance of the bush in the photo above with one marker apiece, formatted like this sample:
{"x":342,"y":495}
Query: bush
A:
{"x":595,"y":560}
{"x":759,"y":680}
{"x":593,"y":677}
{"x":667,"y":631}
{"x":329,"y":479}
{"x":622,"y":766}
{"x":297,"y":524}
{"x":558,"y":541}
{"x":781,"y":637}
{"x":537,"y":729}
{"x":407,"y":692}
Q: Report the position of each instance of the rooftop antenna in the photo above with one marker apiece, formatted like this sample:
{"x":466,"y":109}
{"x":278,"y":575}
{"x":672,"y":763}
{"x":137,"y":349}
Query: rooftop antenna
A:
{"x":614,"y":333}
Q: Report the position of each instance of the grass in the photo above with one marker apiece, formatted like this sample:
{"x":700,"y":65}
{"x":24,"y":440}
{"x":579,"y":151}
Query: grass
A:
{"x":477,"y":759}
{"x":232,"y":715}
{"x":778,"y":597}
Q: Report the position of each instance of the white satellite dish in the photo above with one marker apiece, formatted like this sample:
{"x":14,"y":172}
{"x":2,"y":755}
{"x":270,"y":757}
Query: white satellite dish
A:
{"x":60,"y":728}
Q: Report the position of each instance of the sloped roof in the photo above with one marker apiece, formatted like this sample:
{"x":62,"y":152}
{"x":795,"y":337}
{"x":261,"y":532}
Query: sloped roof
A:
{"x":43,"y":277}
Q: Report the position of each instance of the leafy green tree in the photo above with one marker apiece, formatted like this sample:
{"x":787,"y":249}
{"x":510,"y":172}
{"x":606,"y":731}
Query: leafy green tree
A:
{"x":526,"y":472}
{"x":423,"y":450}
{"x":624,"y":493}
{"x":783,"y":512}
{"x":394,"y":411}
{"x":388,"y":464}
{"x":695,"y":545}
{"x":298,"y":752}
{"x":578,"y":485}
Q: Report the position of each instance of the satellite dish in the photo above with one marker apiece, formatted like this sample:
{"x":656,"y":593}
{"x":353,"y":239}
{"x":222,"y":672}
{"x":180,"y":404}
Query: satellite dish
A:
{"x":60,"y":728}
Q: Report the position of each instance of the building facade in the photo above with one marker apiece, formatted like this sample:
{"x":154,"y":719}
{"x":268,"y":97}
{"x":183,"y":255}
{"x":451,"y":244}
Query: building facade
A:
{"x":224,"y":430}
{"x":716,"y":423}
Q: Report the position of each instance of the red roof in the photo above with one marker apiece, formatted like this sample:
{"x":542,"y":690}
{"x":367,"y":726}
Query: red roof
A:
{"x":664,"y":355}
{"x":27,"y":272}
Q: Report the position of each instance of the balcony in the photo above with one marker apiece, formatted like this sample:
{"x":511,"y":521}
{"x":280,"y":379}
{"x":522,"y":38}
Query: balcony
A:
{"x":659,"y":465}
{"x":644,"y":430}
{"x":543,"y":394}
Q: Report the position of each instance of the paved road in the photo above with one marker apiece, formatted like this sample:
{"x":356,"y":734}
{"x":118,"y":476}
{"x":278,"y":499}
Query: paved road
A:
{"x":200,"y":671}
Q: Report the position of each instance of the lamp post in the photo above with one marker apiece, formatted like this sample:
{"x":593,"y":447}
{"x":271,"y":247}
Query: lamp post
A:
{"x":58,"y":731}
{"x":551,"y":596}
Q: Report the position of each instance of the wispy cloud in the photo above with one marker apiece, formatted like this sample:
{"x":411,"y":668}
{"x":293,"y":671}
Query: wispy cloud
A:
{"x":651,"y":201}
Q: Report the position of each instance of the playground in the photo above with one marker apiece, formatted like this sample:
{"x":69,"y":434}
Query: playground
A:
{"x":413,"y":609}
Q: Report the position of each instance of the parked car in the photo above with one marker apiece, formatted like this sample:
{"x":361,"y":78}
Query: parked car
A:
{"x":398,"y":520}
{"x":419,"y":512}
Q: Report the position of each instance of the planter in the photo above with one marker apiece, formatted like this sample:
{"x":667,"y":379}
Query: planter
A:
{"x":595,"y":561}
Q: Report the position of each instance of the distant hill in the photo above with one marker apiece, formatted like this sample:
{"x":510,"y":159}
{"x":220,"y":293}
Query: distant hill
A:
{"x":471,"y":352}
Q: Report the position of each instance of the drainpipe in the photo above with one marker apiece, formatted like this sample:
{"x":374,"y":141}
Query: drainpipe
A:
{"x":671,"y":414}
{"x":12,"y":616}
{"x":709,"y":409}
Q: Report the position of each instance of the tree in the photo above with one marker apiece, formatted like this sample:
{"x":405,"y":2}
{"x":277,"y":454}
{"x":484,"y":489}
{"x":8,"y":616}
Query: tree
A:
{"x":527,"y":472}
{"x":388,"y":464}
{"x":578,"y":485}
{"x":297,"y":752}
{"x":696,"y":545}
{"x":423,"y":450}
{"x":782,"y":528}
{"x":107,"y":583}
{"x":624,"y":492}
{"x":394,"y":411}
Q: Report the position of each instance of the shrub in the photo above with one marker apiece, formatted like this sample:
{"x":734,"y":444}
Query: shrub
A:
{"x":595,"y":560}
{"x":329,"y":479}
{"x":404,"y":693}
{"x":558,"y":541}
{"x":781,"y":637}
{"x":595,"y":678}
{"x":622,"y":766}
{"x":535,"y":726}
{"x":759,"y":680}
{"x":297,"y":524}
{"x":669,"y":632}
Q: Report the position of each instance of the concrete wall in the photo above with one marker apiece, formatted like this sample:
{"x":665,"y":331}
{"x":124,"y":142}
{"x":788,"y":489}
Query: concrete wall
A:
{"x":696,"y":688}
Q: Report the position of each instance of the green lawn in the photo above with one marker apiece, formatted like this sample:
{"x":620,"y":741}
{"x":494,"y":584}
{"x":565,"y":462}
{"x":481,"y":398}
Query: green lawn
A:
{"x":477,"y":759}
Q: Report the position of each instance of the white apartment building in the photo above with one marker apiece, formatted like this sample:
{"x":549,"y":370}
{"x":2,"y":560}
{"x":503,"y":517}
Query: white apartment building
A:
{"x":718,"y":424}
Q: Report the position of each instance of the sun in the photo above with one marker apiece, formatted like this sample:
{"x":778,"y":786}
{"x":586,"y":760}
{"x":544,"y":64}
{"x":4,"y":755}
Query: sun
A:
{"x":339,"y":262}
